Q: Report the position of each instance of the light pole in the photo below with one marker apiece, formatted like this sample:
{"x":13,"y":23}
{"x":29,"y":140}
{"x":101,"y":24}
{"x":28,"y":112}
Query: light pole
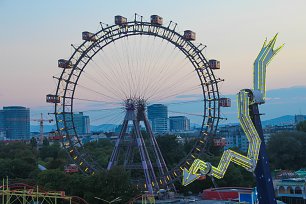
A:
{"x":113,"y":201}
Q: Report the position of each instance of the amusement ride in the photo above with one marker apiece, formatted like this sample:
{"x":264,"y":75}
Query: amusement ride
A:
{"x":129,"y":65}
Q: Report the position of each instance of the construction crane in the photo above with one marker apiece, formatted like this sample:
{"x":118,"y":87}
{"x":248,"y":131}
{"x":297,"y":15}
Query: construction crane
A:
{"x":41,"y":121}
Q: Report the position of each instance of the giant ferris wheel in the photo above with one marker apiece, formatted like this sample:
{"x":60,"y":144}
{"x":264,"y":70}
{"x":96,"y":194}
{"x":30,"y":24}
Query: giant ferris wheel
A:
{"x":120,"y":70}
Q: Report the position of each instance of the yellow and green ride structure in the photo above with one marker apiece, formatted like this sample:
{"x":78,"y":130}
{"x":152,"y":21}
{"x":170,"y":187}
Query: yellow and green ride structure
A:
{"x":256,"y":160}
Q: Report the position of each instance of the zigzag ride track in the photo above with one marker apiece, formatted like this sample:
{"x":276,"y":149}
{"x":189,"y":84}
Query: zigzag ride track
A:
{"x":256,"y":160}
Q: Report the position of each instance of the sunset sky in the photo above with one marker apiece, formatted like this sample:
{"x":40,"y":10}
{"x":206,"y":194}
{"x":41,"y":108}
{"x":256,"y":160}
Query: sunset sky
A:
{"x":35,"y":34}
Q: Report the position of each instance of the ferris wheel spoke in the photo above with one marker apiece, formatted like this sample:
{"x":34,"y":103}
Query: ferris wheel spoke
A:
{"x":130,"y":56}
{"x":175,"y":94}
{"x":117,"y":58}
{"x":97,"y":101}
{"x":110,"y":66}
{"x":106,"y":77}
{"x":141,"y":65}
{"x":164,"y":70}
{"x":186,"y":113}
{"x":97,"y":92}
{"x":183,"y":102}
{"x":126,"y":61}
{"x":103,"y":109}
{"x":175,"y":69}
{"x":111,"y":89}
{"x":178,"y":84}
{"x":150,"y":56}
{"x":154,"y":70}
{"x":121,"y":63}
{"x":167,"y":78}
{"x":110,"y":117}
{"x":140,"y":69}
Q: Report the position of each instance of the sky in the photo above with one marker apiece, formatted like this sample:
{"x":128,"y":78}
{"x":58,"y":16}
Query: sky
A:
{"x":35,"y":34}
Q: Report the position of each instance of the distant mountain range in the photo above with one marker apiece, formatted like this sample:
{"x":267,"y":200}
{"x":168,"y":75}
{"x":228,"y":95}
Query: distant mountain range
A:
{"x":103,"y":127}
{"x":283,"y":120}
{"x":94,"y":128}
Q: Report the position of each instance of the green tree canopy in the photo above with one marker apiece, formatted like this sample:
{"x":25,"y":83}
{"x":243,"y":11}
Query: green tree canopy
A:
{"x":287,"y":150}
{"x":301,"y":126}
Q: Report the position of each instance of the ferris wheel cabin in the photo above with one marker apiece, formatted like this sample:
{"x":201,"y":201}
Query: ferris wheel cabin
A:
{"x":120,"y":20}
{"x":214,"y":64}
{"x":88,"y":36}
{"x":50,"y":98}
{"x":155,"y":19}
{"x":189,"y":35}
{"x":62,"y":63}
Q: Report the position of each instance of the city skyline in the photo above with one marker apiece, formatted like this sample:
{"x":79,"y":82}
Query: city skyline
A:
{"x":280,"y":102}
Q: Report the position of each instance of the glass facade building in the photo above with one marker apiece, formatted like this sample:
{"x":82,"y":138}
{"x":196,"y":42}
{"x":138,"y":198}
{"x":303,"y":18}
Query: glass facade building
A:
{"x":158,"y":116}
{"x":15,"y":122}
{"x":179,"y":123}
{"x":82,"y":123}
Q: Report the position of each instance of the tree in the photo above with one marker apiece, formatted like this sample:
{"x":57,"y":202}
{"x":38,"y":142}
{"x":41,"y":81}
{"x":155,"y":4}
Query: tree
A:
{"x":51,"y":151}
{"x":101,"y":150}
{"x":53,"y":179}
{"x":108,"y":185}
{"x":45,"y":141}
{"x":287,"y":150}
{"x":301,"y":126}
{"x":33,"y":142}
{"x":172,"y":151}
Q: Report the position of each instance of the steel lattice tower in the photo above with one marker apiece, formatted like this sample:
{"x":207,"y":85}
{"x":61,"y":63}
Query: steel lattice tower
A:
{"x":135,"y":112}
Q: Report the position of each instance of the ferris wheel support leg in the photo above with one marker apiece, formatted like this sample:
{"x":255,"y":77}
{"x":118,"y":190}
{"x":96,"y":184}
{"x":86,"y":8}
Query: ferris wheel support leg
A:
{"x":145,"y":160}
{"x":114,"y":156}
{"x":161,"y":164}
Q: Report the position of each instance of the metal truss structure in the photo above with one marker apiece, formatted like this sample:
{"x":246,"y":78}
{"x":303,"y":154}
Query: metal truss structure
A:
{"x":135,"y":112}
{"x":20,"y":193}
{"x":248,"y":114}
{"x":97,"y":42}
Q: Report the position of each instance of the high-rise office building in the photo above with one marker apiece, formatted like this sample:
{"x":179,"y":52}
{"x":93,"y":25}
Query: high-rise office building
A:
{"x":2,"y":127}
{"x":82,"y":123}
{"x":86,"y":127}
{"x":158,"y":116}
{"x":179,"y":123}
{"x":15,"y":122}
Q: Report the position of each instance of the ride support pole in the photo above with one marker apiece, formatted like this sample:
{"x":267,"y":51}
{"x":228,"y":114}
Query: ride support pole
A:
{"x":264,"y":183}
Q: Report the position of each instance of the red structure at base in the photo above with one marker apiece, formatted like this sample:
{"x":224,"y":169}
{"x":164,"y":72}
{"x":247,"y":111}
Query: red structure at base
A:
{"x":226,"y":193}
